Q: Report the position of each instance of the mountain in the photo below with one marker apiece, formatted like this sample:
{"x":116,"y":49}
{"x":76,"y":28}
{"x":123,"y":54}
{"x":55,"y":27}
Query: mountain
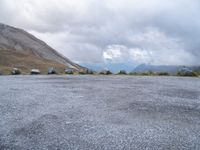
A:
{"x":20,"y":49}
{"x":163,"y":68}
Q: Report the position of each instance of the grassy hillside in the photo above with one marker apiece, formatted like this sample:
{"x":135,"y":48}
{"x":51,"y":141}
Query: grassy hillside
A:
{"x":25,"y":62}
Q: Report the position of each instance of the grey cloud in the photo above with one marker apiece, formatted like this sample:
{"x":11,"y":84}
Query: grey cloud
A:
{"x":166,"y":32}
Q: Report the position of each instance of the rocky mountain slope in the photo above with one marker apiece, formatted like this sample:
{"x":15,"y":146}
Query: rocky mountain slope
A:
{"x":20,"y":49}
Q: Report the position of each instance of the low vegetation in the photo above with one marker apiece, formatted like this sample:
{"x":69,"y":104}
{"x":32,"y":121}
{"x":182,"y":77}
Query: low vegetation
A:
{"x":122,"y":72}
{"x":183,"y":73}
{"x":163,"y":74}
{"x":90,"y":72}
{"x":149,"y":73}
{"x":22,"y":64}
{"x":82,"y":73}
{"x":105,"y":72}
{"x":187,"y":74}
{"x":69,"y":73}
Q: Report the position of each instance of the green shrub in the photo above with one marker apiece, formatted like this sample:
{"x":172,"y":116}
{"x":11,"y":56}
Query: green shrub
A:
{"x":89,"y":72}
{"x":149,"y":73}
{"x":82,"y":72}
{"x":68,"y":72}
{"x":187,"y":74}
{"x":145,"y":74}
{"x":102,"y":73}
{"x":105,"y":72}
{"x":122,"y":72}
{"x":163,"y":73}
{"x":134,"y":73}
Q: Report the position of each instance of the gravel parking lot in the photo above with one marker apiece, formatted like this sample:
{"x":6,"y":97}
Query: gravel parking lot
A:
{"x":99,"y":112}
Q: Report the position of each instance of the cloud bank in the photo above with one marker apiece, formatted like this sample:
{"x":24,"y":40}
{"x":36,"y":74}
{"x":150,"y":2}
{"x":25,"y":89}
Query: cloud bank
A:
{"x":109,"y":32}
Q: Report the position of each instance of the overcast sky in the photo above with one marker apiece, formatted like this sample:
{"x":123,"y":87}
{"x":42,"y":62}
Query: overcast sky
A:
{"x":112,"y":33}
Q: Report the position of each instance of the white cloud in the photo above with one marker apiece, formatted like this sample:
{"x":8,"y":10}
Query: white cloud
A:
{"x":140,"y":56}
{"x":114,"y":52}
{"x":123,"y":54}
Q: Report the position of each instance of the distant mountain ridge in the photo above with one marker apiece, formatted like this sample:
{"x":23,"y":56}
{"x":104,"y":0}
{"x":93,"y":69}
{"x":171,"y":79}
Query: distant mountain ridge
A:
{"x":163,"y":68}
{"x":18,"y":43}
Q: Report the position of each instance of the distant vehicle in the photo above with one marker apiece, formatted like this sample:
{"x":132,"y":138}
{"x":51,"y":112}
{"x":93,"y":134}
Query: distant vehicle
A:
{"x":186,"y":72}
{"x":35,"y":71}
{"x":52,"y":71}
{"x":69,"y":71}
{"x":15,"y":71}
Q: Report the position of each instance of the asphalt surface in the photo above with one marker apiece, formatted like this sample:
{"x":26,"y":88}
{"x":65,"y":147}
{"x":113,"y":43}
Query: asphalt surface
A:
{"x":99,"y":112}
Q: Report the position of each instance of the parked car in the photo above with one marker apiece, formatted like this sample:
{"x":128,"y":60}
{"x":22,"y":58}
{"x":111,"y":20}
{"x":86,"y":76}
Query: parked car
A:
{"x":15,"y":71}
{"x":35,"y":71}
{"x":52,"y":71}
{"x":69,"y":71}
